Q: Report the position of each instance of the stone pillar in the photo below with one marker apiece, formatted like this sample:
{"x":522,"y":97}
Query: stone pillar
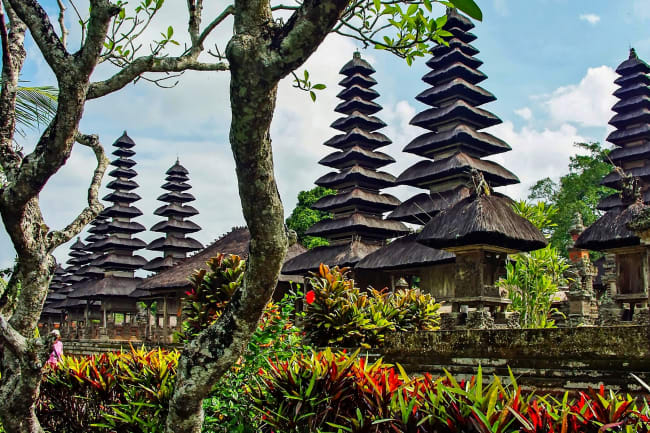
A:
{"x":165,"y":320}
{"x":609,"y":313}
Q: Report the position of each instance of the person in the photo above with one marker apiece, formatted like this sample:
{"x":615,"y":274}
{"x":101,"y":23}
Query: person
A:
{"x":57,"y":349}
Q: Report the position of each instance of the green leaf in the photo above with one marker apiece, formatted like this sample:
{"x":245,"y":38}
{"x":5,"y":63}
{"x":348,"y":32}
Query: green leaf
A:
{"x":319,"y":86}
{"x":470,"y":8}
{"x":412,"y":9}
{"x":427,"y":4}
{"x":377,"y":4}
{"x":306,"y":75}
{"x":170,"y":32}
{"x":313,"y":95}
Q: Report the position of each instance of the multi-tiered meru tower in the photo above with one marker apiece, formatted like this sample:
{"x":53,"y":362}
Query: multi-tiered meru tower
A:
{"x":632,"y":134}
{"x":454,"y":145}
{"x":357,"y":227}
{"x":175,"y":244}
{"x":626,"y":270}
{"x":117,"y":248}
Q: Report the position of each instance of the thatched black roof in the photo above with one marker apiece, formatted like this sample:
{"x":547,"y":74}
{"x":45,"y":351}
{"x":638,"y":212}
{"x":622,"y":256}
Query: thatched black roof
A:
{"x":356,"y":176}
{"x":615,"y":200}
{"x":234,"y":242}
{"x":482,"y":220}
{"x":421,"y":208}
{"x":460,"y":70}
{"x":459,"y":166}
{"x":404,"y":253}
{"x":356,"y":156}
{"x":610,"y":230}
{"x":108,"y":287}
{"x":435,"y":118}
{"x":357,"y":66}
{"x":359,"y":104}
{"x":358,"y":137}
{"x":357,"y":198}
{"x":345,"y":255}
{"x":453,"y":89}
{"x":461,"y":138}
{"x":360,"y":224}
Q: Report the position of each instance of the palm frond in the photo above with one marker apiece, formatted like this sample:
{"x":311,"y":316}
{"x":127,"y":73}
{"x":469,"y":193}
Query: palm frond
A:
{"x":35,"y":106}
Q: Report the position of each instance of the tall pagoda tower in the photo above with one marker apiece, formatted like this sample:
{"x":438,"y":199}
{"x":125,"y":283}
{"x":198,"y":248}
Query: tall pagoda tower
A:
{"x":175,"y":244}
{"x":357,"y":227}
{"x":79,"y":257}
{"x":98,"y":232}
{"x":632,"y":134}
{"x":117,"y":246}
{"x":453,"y":146}
{"x":627,"y":269}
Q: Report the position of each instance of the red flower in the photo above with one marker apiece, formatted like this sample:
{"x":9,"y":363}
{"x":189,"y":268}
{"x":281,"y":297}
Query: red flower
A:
{"x":310,"y":297}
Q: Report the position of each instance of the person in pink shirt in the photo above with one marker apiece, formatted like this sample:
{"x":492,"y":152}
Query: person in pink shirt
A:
{"x":57,"y":349}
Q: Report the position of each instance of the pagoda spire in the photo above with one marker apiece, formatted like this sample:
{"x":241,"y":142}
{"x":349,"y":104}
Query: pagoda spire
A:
{"x":632,"y":134}
{"x":175,"y":244}
{"x":79,"y":257}
{"x":358,"y":204}
{"x":454,"y":144}
{"x":114,"y":244}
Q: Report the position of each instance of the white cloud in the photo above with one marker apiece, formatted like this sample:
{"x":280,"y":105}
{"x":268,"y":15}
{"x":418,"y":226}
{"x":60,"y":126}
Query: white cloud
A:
{"x":592,"y":19}
{"x":535,"y":153}
{"x":642,"y":9}
{"x":525,"y":113}
{"x":587,"y":103}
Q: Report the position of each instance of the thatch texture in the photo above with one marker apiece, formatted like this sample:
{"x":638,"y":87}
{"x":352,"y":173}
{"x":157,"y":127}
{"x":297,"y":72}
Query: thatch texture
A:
{"x":422,"y":207}
{"x":482,"y":220}
{"x":404,"y":253}
{"x":107,"y":287}
{"x":337,"y":255}
{"x":360,"y":224}
{"x":610,"y":230}
{"x":234,"y":242}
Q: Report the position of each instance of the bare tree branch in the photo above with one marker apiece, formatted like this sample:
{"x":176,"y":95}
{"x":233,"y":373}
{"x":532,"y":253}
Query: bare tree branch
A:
{"x":64,"y":30}
{"x":82,"y":23}
{"x":59,"y":237}
{"x":150,"y":64}
{"x":229,"y":10}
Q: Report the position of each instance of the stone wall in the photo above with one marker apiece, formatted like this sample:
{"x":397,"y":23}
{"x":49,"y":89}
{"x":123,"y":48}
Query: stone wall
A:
{"x":546,"y":359}
{"x":95,"y":347}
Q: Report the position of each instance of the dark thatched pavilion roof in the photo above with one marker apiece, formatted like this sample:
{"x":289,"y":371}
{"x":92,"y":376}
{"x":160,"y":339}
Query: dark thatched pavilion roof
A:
{"x":403,"y":253}
{"x":234,"y":242}
{"x":346,"y":255}
{"x":110,"y":286}
{"x":482,"y":220}
{"x":610,"y":230}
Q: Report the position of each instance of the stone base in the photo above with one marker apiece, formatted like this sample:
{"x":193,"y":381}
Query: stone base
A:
{"x":610,"y":314}
{"x":451,"y":320}
{"x":641,"y":316}
{"x":480,"y":319}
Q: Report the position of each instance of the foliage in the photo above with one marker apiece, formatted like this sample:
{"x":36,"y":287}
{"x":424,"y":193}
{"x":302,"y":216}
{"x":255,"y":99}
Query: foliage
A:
{"x":303,"y":216}
{"x":229,"y":409}
{"x":118,"y":392}
{"x":328,"y":392}
{"x":531,"y":281}
{"x":35,"y":106}
{"x":578,"y":191}
{"x":211,"y":291}
{"x":339,"y":313}
{"x":533,"y":278}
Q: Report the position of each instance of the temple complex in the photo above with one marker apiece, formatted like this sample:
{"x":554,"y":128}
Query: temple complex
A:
{"x":357,"y":227}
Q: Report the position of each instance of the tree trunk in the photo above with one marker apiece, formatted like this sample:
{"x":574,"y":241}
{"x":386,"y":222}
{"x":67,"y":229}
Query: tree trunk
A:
{"x":212,"y":353}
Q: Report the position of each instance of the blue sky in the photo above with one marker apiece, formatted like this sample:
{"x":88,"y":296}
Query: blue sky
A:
{"x":549,"y":62}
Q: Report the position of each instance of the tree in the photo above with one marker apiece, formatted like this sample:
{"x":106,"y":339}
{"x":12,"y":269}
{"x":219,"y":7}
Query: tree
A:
{"x":577,"y":191}
{"x":303,"y":216}
{"x":263,"y":49}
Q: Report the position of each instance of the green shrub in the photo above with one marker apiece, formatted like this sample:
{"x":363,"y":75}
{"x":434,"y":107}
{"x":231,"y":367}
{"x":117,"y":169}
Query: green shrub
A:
{"x":120,"y":392}
{"x":339,"y":313}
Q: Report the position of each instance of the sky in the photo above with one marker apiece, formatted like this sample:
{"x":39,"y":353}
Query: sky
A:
{"x":550,"y":63}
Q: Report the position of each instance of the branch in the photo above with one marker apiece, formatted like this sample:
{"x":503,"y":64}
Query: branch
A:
{"x":101,"y":13}
{"x":150,"y":64}
{"x":16,"y":342}
{"x":4,"y":35}
{"x":94,"y":207}
{"x":229,"y":10}
{"x":304,"y":31}
{"x":285,"y":8}
{"x":64,"y":30}
{"x":41,"y":29}
{"x":82,"y":23}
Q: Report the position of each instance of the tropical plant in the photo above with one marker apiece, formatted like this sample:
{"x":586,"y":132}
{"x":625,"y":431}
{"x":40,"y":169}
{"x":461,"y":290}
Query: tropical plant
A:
{"x":339,"y":313}
{"x":35,"y":106}
{"x":533,"y":278}
{"x":229,"y":408}
{"x":211,"y":291}
{"x":336,"y":392}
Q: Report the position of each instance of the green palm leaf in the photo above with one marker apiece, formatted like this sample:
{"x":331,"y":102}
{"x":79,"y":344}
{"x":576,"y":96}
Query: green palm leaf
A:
{"x":35,"y":107}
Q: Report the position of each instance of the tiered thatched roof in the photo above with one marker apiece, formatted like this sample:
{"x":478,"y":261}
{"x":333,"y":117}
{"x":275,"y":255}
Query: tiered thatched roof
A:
{"x":357,"y":227}
{"x":631,"y":175}
{"x":175,"y":244}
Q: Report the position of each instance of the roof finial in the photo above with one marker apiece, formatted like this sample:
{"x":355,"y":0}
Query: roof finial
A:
{"x":356,"y":54}
{"x":633,"y":53}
